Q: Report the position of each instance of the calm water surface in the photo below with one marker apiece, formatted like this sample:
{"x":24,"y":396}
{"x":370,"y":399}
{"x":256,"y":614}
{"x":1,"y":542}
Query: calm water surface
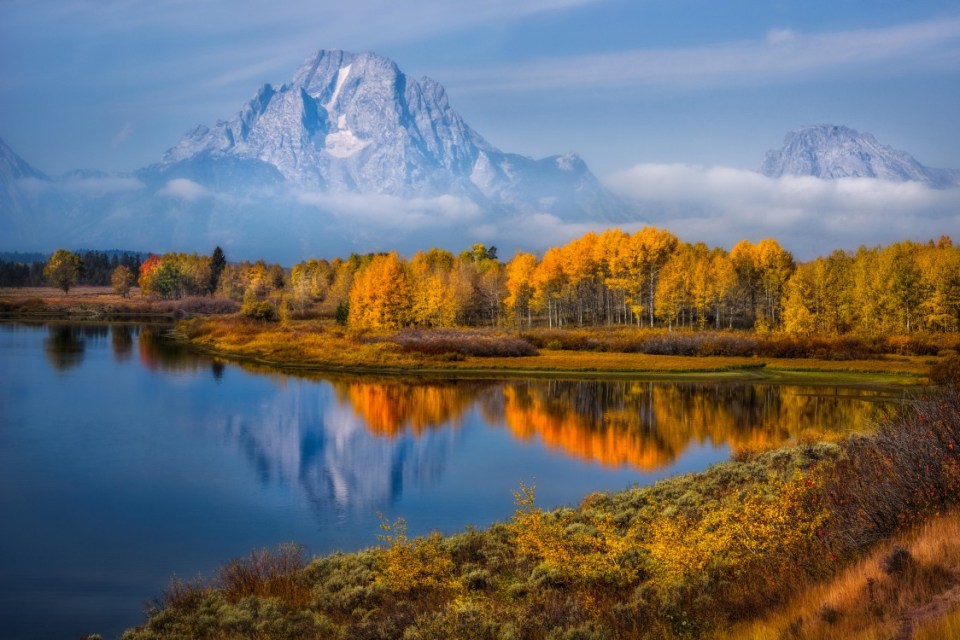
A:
{"x":125,"y":460}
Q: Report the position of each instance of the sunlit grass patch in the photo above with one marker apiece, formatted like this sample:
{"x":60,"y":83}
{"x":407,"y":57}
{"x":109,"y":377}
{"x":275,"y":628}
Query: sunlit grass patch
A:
{"x":911,"y":582}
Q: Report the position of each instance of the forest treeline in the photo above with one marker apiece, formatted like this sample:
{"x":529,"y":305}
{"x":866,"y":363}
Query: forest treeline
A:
{"x":647,"y":279}
{"x":95,"y":269}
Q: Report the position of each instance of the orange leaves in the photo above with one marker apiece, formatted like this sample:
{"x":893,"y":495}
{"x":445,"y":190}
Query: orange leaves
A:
{"x":381,"y":296}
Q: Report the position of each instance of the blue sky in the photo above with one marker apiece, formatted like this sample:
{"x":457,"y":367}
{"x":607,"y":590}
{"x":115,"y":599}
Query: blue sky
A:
{"x":111,"y":84}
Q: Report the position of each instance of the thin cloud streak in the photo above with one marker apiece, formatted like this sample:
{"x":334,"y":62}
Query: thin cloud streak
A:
{"x":781,"y":55}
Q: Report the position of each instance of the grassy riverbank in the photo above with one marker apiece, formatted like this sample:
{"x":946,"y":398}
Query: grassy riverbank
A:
{"x":757,"y":547}
{"x":101,"y":303}
{"x":318,"y":345}
{"x":213,"y":325}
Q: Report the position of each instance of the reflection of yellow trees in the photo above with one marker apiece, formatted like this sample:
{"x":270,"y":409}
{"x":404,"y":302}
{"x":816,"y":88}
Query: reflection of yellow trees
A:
{"x":564,"y":417}
{"x":646,"y":425}
{"x":390,"y":408}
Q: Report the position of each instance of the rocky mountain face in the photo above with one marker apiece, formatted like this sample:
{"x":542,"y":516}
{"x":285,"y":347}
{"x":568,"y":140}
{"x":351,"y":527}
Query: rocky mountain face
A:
{"x":830,"y":152}
{"x":355,"y":123}
{"x":351,"y":153}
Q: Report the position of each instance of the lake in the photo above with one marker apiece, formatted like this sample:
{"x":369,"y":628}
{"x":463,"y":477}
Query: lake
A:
{"x":126,"y":460}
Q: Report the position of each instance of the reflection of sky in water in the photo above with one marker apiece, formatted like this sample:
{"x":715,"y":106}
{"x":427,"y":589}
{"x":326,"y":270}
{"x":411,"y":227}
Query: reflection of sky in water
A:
{"x":123,"y":462}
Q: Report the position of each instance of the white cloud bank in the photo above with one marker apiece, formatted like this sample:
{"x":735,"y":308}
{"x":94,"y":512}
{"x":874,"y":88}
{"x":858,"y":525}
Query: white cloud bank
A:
{"x":810,"y":216}
{"x":393,"y":212}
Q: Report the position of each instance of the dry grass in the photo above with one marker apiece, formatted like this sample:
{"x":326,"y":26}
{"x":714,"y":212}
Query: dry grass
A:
{"x":885,"y":595}
{"x":100,"y":302}
{"x":323,"y":344}
{"x":267,"y":574}
{"x":946,"y":627}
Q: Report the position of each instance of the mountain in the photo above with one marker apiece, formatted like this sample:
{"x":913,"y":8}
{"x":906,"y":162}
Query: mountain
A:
{"x":355,"y":124}
{"x":830,"y":151}
{"x":349,"y":155}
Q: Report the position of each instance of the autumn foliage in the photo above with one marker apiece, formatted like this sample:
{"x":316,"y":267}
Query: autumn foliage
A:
{"x":646,"y":279}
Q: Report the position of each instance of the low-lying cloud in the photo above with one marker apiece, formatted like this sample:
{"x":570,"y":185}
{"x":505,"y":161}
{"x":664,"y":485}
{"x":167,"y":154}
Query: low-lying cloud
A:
{"x":722,"y":205}
{"x":183,"y":189}
{"x":393,"y":212}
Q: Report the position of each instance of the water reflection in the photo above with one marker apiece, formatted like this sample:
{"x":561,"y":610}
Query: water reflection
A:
{"x":64,"y":346}
{"x":639,"y":424}
{"x":121,"y":339}
{"x":646,"y":425}
{"x":391,"y":407}
{"x":302,"y":438}
{"x":158,"y":353}
{"x":358,"y":445}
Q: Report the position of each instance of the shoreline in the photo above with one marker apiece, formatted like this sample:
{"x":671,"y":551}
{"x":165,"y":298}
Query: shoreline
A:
{"x":380,"y":358}
{"x":311,"y":346}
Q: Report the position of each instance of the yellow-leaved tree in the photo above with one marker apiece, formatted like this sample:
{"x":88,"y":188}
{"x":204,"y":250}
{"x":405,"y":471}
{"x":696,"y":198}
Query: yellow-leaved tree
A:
{"x":381,"y":296}
{"x":63,"y":269}
{"x":519,"y":285}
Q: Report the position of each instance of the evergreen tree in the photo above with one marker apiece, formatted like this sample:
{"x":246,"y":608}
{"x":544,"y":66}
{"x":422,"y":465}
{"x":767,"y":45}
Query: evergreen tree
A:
{"x":217,"y":262}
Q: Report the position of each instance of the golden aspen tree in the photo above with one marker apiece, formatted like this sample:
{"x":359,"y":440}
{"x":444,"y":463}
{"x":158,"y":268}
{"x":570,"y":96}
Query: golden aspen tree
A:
{"x":429,"y":280}
{"x":674,"y":288}
{"x":723,"y":281}
{"x":548,"y":283}
{"x":381,"y":296}
{"x":653,"y":248}
{"x":905,"y":283}
{"x":581,"y":269}
{"x":701,"y":283}
{"x":799,"y":304}
{"x":774,"y":265}
{"x":610,"y":248}
{"x":519,"y":285}
{"x":746,"y":292}
{"x":940,"y":274}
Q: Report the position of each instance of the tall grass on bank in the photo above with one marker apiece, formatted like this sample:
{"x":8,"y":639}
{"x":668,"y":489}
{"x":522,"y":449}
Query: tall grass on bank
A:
{"x":688,"y":557}
{"x":463,"y":342}
{"x":742,"y":343}
{"x":907,"y":585}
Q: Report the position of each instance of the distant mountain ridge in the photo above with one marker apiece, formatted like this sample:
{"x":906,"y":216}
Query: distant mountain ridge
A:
{"x":831,"y":151}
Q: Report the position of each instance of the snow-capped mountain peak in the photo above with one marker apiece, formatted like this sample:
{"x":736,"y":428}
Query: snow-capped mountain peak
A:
{"x":348,"y":122}
{"x":832,"y":151}
{"x":355,"y":123}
